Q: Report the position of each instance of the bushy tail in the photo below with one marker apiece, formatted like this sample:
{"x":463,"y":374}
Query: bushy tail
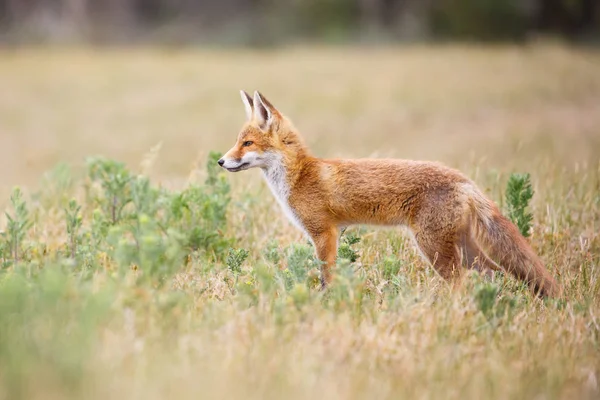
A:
{"x":505,"y":244}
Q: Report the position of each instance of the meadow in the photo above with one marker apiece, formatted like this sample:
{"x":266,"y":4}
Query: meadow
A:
{"x":131,"y":266}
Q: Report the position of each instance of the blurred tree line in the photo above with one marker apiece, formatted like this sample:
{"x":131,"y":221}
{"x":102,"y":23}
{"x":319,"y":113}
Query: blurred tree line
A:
{"x":273,"y":21}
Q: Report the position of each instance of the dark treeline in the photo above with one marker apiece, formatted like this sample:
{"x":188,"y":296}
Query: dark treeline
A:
{"x":274,"y":21}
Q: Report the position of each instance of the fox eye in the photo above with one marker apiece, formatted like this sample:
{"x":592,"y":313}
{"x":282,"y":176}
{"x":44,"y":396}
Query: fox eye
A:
{"x":248,"y":143}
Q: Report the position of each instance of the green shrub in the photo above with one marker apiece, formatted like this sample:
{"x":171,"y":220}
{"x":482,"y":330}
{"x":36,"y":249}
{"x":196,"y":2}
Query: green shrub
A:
{"x":150,"y":230}
{"x":518,"y":195}
{"x":12,"y":248}
{"x":235,"y":258}
{"x":272,"y":252}
{"x":345,"y":250}
{"x":300,"y":259}
{"x":74,"y":222}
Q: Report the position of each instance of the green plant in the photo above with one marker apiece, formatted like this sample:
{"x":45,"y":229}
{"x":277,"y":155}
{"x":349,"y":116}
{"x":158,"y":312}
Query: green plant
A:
{"x":390,"y":267}
{"x":235,"y":258}
{"x":348,"y":290}
{"x":74,"y":221}
{"x":300,"y":259}
{"x":200,"y":212}
{"x":272,"y":252}
{"x":148,"y":229}
{"x":518,"y":195}
{"x":491,"y":304}
{"x":18,"y":224}
{"x":345,"y":250}
{"x":114,"y":179}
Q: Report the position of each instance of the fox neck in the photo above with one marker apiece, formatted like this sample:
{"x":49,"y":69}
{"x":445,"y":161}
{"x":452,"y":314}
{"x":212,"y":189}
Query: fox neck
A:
{"x":281,"y":172}
{"x":276,"y":175}
{"x":285,"y":167}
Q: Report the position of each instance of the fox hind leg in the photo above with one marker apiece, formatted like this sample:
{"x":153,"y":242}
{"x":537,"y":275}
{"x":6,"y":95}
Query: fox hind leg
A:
{"x":476,"y":259}
{"x":438,"y":233}
{"x":443,"y":253}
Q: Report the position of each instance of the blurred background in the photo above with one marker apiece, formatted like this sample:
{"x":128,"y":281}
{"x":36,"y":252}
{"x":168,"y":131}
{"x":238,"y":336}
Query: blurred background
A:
{"x":270,"y":22}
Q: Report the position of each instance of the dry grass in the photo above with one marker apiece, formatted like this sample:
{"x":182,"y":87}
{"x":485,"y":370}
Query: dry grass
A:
{"x":487,"y":111}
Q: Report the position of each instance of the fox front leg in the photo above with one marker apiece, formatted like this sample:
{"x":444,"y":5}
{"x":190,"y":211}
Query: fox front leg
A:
{"x":326,"y":242}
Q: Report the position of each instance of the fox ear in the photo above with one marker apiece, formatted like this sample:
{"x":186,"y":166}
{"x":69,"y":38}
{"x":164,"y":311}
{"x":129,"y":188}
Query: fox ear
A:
{"x":248,"y":104}
{"x":264,"y":112}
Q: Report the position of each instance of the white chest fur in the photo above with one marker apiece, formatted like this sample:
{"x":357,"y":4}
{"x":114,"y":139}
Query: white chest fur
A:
{"x":276,"y":176}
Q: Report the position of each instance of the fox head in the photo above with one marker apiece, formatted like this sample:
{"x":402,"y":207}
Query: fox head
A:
{"x":266,"y":137}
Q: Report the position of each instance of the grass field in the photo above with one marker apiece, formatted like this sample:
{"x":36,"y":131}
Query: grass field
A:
{"x":192,"y":283}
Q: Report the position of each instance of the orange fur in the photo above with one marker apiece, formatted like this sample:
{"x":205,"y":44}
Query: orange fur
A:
{"x":453,"y":223}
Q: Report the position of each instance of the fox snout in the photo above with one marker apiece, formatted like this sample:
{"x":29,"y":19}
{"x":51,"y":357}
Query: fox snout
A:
{"x":237,"y":164}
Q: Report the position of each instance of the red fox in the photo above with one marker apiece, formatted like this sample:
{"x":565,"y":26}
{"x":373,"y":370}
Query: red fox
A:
{"x":451,"y":220}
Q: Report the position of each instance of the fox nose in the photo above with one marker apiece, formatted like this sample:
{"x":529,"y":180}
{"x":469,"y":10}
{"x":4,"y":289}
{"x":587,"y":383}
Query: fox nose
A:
{"x":221,"y":162}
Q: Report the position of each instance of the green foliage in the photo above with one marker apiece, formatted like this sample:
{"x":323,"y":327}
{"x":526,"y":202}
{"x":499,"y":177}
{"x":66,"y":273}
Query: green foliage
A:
{"x":74,"y":222}
{"x":390,"y":267}
{"x":300,"y":295}
{"x":200,"y":211}
{"x":144,"y":246}
{"x":300,"y":259}
{"x":51,"y":309}
{"x":12,"y":247}
{"x":348,"y":290}
{"x":235,"y":258}
{"x":302,"y":266}
{"x":345,"y":250}
{"x":518,"y":195}
{"x":272,"y":252}
{"x":394,"y":281}
{"x":491,"y":304}
{"x":114,"y":179}
{"x":201,"y":215}
{"x":215,"y":176}
{"x":148,"y":229}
